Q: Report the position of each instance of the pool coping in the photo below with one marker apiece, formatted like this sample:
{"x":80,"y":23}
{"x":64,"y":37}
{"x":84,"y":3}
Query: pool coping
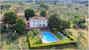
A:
{"x":53,"y":35}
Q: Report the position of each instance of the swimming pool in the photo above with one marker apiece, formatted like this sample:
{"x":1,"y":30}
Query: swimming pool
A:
{"x":48,"y":37}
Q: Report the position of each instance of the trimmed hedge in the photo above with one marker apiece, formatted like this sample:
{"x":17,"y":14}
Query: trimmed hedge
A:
{"x":65,"y":41}
{"x":34,"y":44}
{"x":54,"y":43}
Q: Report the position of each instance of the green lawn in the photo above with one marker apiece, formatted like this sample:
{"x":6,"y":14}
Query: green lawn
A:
{"x":58,"y":36}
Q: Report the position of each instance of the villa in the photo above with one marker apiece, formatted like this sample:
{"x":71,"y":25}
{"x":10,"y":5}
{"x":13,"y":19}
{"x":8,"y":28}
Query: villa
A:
{"x":38,"y":22}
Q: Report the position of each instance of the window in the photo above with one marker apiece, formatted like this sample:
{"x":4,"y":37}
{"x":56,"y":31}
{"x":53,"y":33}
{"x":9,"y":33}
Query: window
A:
{"x":39,"y":25}
{"x":44,"y":25}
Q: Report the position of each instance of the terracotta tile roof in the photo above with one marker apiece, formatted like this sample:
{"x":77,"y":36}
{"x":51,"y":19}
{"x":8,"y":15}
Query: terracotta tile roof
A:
{"x":39,"y":17}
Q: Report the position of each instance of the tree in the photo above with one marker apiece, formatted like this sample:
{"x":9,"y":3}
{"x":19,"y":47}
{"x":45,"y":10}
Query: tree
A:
{"x":3,"y":28}
{"x":5,"y":6}
{"x":53,"y":22}
{"x":29,"y":13}
{"x":20,"y":26}
{"x":9,"y":22}
{"x":75,"y":20}
{"x":43,"y":13}
{"x":43,"y":6}
{"x":9,"y":17}
{"x":57,"y":24}
{"x":82,"y":24}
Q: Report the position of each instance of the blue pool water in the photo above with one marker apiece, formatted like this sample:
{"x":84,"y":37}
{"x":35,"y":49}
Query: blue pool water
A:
{"x":48,"y":37}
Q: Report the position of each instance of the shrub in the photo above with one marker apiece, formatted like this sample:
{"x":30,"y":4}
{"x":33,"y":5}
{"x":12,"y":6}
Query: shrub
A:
{"x":36,"y":40}
{"x":34,"y":37}
{"x":35,"y":31}
{"x":43,"y":13}
{"x":20,"y":26}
